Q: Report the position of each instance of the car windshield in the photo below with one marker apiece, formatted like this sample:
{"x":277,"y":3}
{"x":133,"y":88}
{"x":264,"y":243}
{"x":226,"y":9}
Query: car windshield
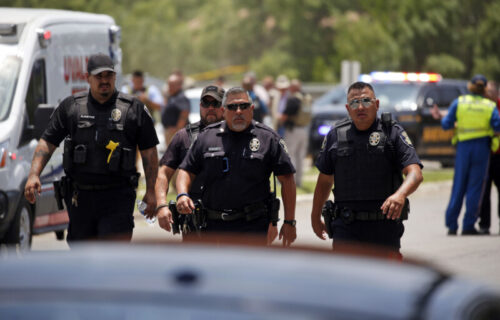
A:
{"x":396,"y":95}
{"x":9,"y":73}
{"x":336,"y":97}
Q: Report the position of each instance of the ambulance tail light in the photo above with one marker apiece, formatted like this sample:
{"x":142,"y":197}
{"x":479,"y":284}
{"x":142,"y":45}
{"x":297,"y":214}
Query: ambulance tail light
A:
{"x":4,"y":153}
{"x":44,"y":37}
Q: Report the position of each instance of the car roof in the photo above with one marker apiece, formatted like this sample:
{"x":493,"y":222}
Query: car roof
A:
{"x":313,"y":282}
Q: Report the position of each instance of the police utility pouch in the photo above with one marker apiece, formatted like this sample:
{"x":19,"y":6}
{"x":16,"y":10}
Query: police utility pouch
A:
{"x":80,"y":154}
{"x":68,"y":155}
{"x":128,"y":159}
{"x":114,"y":162}
{"x":328,"y":213}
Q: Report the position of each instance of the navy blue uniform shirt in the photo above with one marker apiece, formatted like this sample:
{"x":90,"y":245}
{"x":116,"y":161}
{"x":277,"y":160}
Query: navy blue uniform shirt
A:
{"x":236,"y":166}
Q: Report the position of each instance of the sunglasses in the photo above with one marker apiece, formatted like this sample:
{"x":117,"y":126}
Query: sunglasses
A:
{"x":235,"y":106}
{"x":366,"y":102}
{"x":210,"y":103}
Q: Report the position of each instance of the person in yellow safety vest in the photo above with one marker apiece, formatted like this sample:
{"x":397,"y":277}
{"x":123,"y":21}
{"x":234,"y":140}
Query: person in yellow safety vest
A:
{"x":475,"y":119}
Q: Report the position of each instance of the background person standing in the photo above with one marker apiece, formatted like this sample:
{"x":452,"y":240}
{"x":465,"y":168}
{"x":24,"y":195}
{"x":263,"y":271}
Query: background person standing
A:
{"x":475,"y":118}
{"x":175,"y":115}
{"x":494,"y":170}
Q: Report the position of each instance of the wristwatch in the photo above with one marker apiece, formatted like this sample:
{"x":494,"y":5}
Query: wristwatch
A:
{"x":290,"y":222}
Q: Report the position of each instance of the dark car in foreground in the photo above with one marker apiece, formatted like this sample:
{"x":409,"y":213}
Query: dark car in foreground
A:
{"x":201,"y":281}
{"x":409,"y":98}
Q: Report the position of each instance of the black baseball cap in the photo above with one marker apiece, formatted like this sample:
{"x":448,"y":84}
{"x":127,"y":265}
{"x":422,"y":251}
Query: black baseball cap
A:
{"x":99,"y":63}
{"x":214,"y":91}
{"x":479,"y":79}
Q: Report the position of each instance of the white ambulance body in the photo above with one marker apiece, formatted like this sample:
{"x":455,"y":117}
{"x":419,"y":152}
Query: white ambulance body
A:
{"x":43,"y":58}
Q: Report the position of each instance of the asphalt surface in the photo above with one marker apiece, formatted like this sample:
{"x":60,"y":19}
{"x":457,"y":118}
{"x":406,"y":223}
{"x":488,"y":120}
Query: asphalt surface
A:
{"x":476,"y":257}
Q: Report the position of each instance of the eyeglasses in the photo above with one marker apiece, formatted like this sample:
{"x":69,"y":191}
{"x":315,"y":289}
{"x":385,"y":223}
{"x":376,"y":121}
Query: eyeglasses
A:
{"x":209,"y":103}
{"x":235,"y":106}
{"x":366,"y":102}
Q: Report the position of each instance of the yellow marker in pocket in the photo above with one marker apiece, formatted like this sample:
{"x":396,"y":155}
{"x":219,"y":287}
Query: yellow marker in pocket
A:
{"x":111,"y":146}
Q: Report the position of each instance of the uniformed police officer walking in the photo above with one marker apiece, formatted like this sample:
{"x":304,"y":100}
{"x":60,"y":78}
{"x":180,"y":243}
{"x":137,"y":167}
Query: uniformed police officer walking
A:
{"x":210,"y":112}
{"x":235,"y":159}
{"x":366,"y":155}
{"x":102,"y":128}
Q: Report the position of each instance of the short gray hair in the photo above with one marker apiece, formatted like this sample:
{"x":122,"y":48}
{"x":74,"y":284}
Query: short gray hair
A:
{"x":234,"y":91}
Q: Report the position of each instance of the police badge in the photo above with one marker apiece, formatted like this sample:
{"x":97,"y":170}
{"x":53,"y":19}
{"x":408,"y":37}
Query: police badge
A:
{"x":374,"y":139}
{"x":116,"y":114}
{"x":254,"y":144}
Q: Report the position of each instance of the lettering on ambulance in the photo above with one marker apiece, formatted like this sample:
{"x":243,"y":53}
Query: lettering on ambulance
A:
{"x":74,"y":68}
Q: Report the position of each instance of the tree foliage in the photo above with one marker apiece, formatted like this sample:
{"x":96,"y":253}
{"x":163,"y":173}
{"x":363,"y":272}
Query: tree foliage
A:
{"x":302,"y":38}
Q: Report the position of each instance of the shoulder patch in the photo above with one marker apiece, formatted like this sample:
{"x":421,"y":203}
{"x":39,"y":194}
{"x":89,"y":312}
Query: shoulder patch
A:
{"x":283,"y":145}
{"x":406,"y":139}
{"x":323,"y":144}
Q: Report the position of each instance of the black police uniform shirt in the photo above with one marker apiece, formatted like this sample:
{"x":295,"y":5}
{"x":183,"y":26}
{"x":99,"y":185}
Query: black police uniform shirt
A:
{"x":235,"y":166}
{"x":175,"y":105}
{"x":405,"y":155}
{"x":176,"y":152}
{"x":138,"y":120}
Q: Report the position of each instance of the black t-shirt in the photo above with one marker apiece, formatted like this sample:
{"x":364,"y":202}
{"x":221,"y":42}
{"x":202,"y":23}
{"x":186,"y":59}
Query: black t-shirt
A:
{"x":236,"y":166}
{"x":175,"y":105}
{"x":405,"y":151}
{"x":292,"y":108}
{"x":139,"y":119}
{"x":177,"y":149}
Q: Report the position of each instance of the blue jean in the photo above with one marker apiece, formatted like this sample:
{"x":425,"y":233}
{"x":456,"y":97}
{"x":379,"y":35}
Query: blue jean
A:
{"x":471,"y":166}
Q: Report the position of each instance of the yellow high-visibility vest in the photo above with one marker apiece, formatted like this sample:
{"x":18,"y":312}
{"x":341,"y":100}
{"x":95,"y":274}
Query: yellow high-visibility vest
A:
{"x":473,"y":117}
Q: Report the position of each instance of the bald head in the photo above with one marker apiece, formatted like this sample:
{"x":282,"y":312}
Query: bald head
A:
{"x":174,"y":84}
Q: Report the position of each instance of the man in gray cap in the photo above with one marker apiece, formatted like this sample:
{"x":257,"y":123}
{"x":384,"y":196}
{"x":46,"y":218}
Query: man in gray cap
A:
{"x":102,"y":129}
{"x":475,"y":119}
{"x":211,"y":111}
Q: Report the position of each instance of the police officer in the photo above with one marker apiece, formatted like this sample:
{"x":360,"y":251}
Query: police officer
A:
{"x":210,"y":112}
{"x":235,"y":159}
{"x":366,"y":156}
{"x":475,"y":119}
{"x":103,"y":128}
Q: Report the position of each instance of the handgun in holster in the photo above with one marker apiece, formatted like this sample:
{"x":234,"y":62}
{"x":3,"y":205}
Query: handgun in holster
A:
{"x":199,"y":216}
{"x":329,"y":212}
{"x":61,"y":189}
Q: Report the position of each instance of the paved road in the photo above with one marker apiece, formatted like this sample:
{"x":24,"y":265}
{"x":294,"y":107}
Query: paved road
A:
{"x":425,"y":237}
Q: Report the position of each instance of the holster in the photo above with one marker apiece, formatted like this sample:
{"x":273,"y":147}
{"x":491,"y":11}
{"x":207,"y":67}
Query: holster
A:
{"x":62,"y":188}
{"x":329,"y":212}
{"x":188,"y":223}
{"x":68,"y":155}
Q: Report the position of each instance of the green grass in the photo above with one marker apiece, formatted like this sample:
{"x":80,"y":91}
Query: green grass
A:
{"x":438,"y":175}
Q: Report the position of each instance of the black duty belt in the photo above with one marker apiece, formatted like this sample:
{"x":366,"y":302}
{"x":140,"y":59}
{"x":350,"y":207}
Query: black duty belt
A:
{"x":369,"y":215}
{"x":98,"y":187}
{"x":250,"y":212}
{"x":351,"y":215}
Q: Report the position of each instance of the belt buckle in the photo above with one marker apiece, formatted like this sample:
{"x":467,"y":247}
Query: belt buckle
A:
{"x":225,"y":214}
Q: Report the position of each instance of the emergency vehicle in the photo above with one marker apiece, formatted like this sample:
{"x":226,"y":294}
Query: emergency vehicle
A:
{"x":409,"y":97}
{"x":43,"y":59}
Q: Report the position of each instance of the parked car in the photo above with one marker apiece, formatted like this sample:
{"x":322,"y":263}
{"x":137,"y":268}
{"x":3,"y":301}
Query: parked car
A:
{"x":409,"y":98}
{"x":201,"y":281}
{"x":43,"y":58}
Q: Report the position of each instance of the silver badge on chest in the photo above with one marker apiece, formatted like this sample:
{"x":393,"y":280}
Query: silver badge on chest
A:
{"x":116,"y":114}
{"x":374,"y":139}
{"x":254,"y":144}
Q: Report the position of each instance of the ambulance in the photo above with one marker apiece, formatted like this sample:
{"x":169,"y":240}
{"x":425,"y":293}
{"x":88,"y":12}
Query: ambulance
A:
{"x":43,"y":58}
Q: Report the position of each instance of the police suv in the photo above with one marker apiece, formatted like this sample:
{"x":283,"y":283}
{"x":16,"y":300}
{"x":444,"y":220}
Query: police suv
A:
{"x":409,"y":97}
{"x":43,"y":58}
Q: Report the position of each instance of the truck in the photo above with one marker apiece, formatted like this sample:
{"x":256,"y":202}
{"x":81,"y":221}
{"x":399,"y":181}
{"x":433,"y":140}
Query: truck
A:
{"x":43,"y":59}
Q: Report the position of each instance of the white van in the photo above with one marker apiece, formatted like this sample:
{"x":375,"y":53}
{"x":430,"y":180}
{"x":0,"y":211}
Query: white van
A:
{"x":43,"y":59}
